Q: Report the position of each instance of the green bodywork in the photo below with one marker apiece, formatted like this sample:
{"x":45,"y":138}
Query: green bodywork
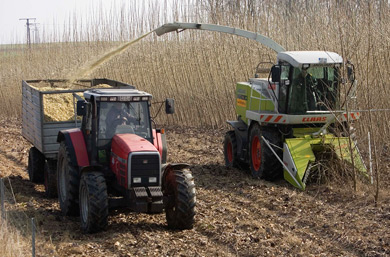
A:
{"x":302,"y":151}
{"x":244,"y":101}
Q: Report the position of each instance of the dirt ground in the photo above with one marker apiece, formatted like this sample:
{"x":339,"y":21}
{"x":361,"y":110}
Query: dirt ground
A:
{"x":236,"y":215}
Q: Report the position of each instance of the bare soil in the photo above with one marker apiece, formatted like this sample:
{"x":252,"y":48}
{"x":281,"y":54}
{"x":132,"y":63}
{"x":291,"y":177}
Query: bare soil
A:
{"x":236,"y":215}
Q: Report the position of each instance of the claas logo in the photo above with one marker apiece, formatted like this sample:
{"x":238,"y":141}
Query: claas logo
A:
{"x":314,"y":119}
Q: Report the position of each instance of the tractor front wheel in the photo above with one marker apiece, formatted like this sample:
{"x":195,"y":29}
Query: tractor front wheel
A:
{"x":263,"y":163}
{"x":36,"y":161}
{"x":179,"y":189}
{"x":93,"y":202}
{"x":67,"y":182}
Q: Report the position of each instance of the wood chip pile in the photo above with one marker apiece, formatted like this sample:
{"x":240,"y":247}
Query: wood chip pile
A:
{"x":60,"y":107}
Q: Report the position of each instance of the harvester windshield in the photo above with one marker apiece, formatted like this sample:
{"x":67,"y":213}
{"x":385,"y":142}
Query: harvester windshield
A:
{"x":312,"y":89}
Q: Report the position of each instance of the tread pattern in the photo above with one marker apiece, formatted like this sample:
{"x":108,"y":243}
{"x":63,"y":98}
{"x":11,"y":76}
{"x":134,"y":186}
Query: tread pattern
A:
{"x":36,"y":161}
{"x":181,"y":213}
{"x":96,"y":198}
{"x":69,"y":205}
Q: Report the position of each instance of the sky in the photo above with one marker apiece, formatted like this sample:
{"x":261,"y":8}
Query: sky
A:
{"x":46,"y":12}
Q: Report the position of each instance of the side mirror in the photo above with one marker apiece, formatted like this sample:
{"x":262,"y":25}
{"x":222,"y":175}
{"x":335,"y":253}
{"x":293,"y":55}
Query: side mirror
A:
{"x":81,"y":104}
{"x":275,"y":73}
{"x":170,"y":106}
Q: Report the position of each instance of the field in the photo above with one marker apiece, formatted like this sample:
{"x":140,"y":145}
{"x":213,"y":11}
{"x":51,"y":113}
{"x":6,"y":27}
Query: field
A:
{"x":236,"y":215}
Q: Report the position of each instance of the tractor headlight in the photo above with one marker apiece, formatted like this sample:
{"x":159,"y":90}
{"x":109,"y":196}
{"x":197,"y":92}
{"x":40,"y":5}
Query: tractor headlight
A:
{"x":152,"y":179}
{"x":136,"y":180}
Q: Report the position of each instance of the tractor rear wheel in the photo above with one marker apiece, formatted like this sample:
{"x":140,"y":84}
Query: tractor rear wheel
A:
{"x":36,"y":161}
{"x":179,"y":188}
{"x":67,"y":182}
{"x":230,"y":149}
{"x":50,"y":180}
{"x":263,"y":163}
{"x":93,"y":202}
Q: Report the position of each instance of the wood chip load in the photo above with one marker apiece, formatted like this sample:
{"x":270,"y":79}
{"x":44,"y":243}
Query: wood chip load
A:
{"x":60,"y":106}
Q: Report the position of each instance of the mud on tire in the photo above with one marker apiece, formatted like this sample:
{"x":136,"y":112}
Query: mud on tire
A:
{"x":180,"y":190}
{"x":36,"y":161}
{"x":67,"y":182}
{"x":93,"y":201}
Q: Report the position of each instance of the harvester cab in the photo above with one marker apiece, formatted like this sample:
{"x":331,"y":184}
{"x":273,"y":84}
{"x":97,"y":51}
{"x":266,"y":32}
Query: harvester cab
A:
{"x":117,"y":159}
{"x":285,"y":119}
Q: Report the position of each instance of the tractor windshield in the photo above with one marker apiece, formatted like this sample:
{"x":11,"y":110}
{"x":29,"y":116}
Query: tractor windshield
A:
{"x":313,"y":89}
{"x":124,"y":118}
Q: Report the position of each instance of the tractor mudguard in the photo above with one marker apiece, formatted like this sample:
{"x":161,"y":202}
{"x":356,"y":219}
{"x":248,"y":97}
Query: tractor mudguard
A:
{"x":75,"y":143}
{"x":241,"y":132}
{"x":167,"y":168}
{"x":91,"y":168}
{"x":159,"y":141}
{"x":177,"y":166}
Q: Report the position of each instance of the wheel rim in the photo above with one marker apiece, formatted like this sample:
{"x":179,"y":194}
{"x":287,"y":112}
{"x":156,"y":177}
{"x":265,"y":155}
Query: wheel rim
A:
{"x":84,"y":203}
{"x":62,"y":182}
{"x":230,"y":152}
{"x":256,"y":152}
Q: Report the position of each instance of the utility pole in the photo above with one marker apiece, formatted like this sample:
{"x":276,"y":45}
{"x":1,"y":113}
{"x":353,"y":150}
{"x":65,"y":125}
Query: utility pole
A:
{"x":28,"y":29}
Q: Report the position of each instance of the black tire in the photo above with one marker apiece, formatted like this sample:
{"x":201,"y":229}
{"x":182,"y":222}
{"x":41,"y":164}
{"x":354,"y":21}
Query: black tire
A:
{"x":50,"y":180}
{"x":164,"y":150}
{"x":263,"y":163}
{"x":36,"y":161}
{"x":93,"y":201}
{"x":230,"y":150}
{"x":180,"y":209}
{"x":67,"y":183}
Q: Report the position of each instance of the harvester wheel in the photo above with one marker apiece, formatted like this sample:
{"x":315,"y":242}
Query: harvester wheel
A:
{"x":36,"y":161}
{"x":67,"y":182}
{"x":263,"y":163}
{"x":93,"y":202}
{"x":50,"y":181}
{"x":179,"y":189}
{"x":230,"y":149}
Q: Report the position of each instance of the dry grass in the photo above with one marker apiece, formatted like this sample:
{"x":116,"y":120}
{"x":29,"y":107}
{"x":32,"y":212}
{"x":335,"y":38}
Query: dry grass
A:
{"x":12,"y":244}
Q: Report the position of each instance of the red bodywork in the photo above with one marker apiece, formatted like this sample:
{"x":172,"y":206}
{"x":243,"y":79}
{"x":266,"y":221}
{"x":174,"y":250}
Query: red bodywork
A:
{"x":124,"y":144}
{"x":78,"y":143}
{"x":157,"y":141}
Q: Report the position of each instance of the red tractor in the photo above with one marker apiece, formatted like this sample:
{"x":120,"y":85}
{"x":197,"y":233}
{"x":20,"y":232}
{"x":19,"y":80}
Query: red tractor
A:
{"x":117,"y":159}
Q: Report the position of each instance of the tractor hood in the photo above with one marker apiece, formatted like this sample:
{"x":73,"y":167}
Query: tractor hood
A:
{"x":124,"y":144}
{"x":313,"y":58}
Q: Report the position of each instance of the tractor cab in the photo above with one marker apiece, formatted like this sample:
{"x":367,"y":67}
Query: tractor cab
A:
{"x":308,"y":81}
{"x":110,"y":112}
